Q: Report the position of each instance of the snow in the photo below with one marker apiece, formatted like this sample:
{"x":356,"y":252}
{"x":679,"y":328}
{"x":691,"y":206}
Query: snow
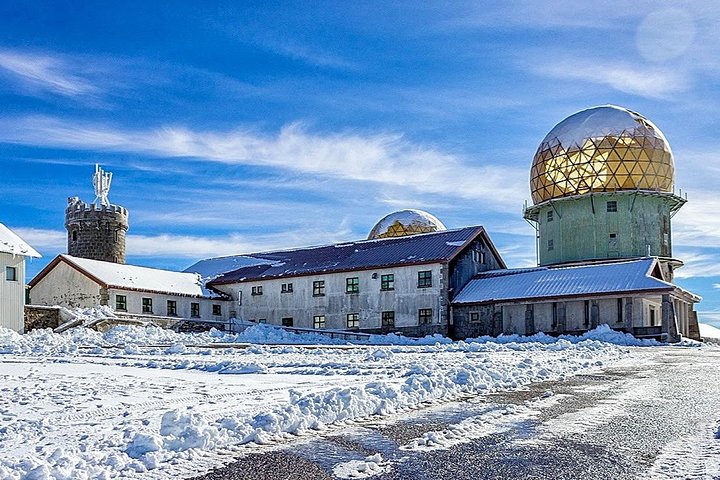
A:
{"x":143,"y":402}
{"x":709,"y":331}
{"x":139,"y":278}
{"x":14,"y":245}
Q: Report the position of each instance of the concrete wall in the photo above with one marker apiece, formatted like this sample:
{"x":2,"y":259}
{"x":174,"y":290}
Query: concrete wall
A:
{"x":12,"y":293}
{"x":565,"y":317}
{"x":67,"y":287}
{"x":581,"y":227}
{"x":405,"y":300}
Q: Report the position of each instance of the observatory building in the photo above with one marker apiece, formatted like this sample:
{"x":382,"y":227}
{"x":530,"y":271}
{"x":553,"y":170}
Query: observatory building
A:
{"x":602,"y":184}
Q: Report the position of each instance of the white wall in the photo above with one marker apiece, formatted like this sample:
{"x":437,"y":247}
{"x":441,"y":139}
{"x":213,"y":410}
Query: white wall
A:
{"x":65,"y":286}
{"x":405,"y":300}
{"x":12,"y":293}
{"x":159,"y":303}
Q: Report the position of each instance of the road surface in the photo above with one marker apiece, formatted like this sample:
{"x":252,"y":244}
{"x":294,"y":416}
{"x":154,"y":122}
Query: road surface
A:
{"x":658,"y":417}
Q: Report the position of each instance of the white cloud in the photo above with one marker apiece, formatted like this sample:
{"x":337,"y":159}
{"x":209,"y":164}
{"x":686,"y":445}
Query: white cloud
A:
{"x":46,"y":72}
{"x":53,"y":242}
{"x":643,"y":80}
{"x":716,"y":285}
{"x":698,"y":264}
{"x":383,"y":158}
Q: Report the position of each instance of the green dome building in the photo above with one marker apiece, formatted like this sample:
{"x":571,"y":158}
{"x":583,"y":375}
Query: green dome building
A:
{"x":602,"y":184}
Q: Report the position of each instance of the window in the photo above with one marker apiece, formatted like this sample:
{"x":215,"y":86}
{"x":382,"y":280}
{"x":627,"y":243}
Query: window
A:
{"x":11,"y":274}
{"x":352,"y":285}
{"x":257,"y":290}
{"x":262,"y":320}
{"x":551,"y":245}
{"x":319,"y":288}
{"x":425,"y":279}
{"x":387,"y":282}
{"x":116,"y":235}
{"x":612,"y":241}
{"x":474,"y":317}
{"x":319,"y":321}
{"x":587,"y":313}
{"x":619,"y":310}
{"x":353,"y":320}
{"x":550,"y":216}
{"x":554,"y":315}
{"x":652,"y":316}
{"x":286,"y":288}
{"x":74,"y":235}
{"x":287,"y":322}
{"x":121,"y":303}
{"x":425,"y":316}
{"x":612,"y":206}
{"x":171,"y":308}
{"x":217,"y":310}
{"x":147,"y":305}
{"x":388,"y":319}
{"x":194,"y":309}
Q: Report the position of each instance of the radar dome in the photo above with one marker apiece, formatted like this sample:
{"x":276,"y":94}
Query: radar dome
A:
{"x":601,"y":149}
{"x":405,"y":222}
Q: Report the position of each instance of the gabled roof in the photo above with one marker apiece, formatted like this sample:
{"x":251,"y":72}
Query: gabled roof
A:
{"x":130,"y":277}
{"x":14,"y":245}
{"x":362,"y":255}
{"x":563,"y":281}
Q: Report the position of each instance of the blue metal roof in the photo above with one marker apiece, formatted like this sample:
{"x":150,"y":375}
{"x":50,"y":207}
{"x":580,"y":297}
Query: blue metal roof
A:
{"x":561,"y":281}
{"x":416,"y":249}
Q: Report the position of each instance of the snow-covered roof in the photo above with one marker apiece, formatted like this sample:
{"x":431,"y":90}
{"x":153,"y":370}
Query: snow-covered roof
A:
{"x":11,"y":243}
{"x":551,"y":282}
{"x":132,"y":277}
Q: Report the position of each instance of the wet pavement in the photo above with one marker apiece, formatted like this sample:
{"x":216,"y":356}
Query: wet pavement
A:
{"x":655,"y":418}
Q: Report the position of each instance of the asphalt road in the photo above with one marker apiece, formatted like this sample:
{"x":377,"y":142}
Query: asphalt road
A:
{"x":657,"y":418}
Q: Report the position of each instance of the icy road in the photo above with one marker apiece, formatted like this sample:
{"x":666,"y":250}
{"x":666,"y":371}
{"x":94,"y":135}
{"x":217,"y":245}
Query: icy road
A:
{"x":150,"y":403}
{"x":656,"y":419}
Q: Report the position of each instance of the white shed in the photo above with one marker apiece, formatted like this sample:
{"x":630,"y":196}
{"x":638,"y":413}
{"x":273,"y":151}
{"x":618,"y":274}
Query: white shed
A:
{"x":13,"y":252}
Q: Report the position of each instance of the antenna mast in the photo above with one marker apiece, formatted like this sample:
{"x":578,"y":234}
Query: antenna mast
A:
{"x":101,"y":182}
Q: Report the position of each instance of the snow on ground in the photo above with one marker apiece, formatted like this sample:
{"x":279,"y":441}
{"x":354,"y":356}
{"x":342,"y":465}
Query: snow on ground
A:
{"x":708,"y":331}
{"x":151,"y":403}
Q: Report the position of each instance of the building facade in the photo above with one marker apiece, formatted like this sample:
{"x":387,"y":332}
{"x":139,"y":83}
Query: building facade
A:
{"x":385,"y":284}
{"x":78,"y":282}
{"x":14,"y":251}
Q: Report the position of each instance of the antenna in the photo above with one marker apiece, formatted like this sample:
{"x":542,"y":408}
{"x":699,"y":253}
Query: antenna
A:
{"x":101,"y":182}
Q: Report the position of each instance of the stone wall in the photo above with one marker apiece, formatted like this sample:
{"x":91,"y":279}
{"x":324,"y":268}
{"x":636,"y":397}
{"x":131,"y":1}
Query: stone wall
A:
{"x":38,"y":317}
{"x":96,"y":232}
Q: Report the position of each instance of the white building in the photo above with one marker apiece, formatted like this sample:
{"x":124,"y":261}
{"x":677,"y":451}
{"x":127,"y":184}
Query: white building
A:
{"x":81,"y":282}
{"x":13,"y":252}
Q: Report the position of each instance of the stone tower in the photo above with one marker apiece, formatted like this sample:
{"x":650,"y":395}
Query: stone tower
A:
{"x":97,"y":231}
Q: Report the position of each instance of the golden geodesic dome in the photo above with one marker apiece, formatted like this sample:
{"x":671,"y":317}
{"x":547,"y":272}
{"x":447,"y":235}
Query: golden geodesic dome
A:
{"x":406,"y":222}
{"x":601,"y":149}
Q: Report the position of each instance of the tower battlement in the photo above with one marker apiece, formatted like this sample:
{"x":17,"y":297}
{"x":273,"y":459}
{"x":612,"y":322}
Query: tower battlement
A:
{"x":96,"y":231}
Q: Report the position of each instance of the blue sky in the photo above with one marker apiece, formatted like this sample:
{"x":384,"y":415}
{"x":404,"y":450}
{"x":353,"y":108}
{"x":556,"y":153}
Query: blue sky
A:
{"x":240,"y":126}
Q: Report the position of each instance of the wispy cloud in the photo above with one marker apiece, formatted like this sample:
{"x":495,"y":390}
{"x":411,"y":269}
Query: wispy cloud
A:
{"x":716,"y":285}
{"x":698,"y":264}
{"x":45,"y":72}
{"x":384,"y":158}
{"x":637,"y":79}
{"x":192,"y":247}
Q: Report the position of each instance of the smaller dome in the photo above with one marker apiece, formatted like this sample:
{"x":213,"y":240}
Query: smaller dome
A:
{"x":406,"y":222}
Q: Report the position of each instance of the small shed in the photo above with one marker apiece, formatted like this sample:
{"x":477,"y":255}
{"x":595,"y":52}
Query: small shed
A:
{"x":13,"y":253}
